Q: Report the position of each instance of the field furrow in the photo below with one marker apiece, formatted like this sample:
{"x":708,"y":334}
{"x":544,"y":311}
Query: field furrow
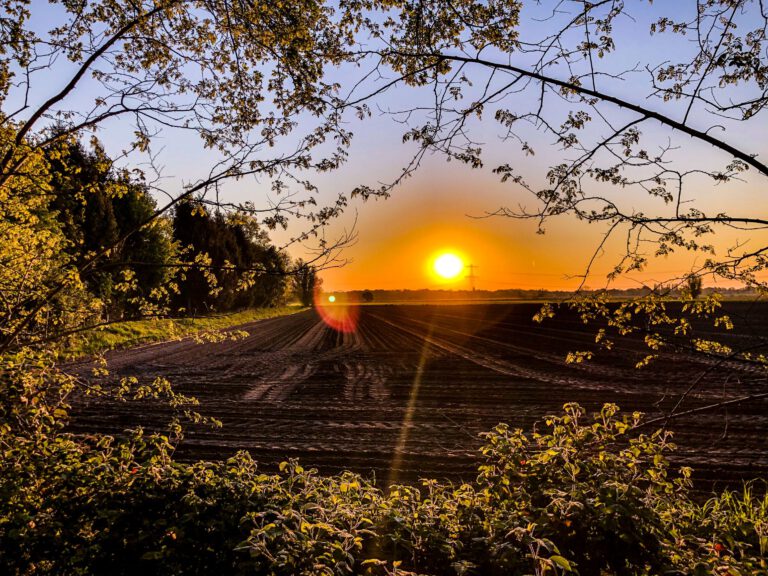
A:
{"x":409,"y":391}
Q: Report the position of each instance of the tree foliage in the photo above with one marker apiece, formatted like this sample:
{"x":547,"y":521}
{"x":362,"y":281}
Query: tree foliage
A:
{"x":693,"y":286}
{"x":41,"y":292}
{"x":232,"y":263}
{"x":97,"y":205}
{"x":305,"y":282}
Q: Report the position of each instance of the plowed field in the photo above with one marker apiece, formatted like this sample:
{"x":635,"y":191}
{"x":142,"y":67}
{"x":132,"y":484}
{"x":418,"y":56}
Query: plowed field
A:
{"x":408,"y":391}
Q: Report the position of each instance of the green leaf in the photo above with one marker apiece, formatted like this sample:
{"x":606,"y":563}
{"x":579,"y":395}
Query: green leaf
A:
{"x":562,"y":562}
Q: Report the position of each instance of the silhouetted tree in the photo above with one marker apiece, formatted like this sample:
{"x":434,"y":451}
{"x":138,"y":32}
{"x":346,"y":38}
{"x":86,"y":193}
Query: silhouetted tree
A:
{"x":693,"y":285}
{"x":190,"y":228}
{"x":305,"y":282}
{"x":79,"y":181}
{"x":367,"y":296}
{"x":231,"y":262}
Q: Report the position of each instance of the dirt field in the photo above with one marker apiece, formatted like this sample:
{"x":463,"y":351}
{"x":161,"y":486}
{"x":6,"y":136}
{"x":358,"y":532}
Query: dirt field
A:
{"x":406,"y":393}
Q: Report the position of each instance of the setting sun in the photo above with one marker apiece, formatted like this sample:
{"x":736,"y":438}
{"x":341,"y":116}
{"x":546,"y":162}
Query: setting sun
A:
{"x":448,"y":266}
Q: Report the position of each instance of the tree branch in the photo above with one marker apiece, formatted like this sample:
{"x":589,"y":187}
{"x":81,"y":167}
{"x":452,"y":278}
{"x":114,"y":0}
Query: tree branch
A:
{"x":662,"y":118}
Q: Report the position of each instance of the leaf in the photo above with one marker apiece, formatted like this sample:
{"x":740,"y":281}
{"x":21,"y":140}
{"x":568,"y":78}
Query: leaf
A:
{"x":562,"y":562}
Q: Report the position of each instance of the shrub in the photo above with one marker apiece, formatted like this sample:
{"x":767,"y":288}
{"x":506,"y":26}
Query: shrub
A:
{"x":578,"y":496}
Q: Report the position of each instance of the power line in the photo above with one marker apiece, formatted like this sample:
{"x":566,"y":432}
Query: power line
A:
{"x":472,"y":276}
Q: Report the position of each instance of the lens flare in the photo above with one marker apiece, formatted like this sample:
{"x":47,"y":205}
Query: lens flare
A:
{"x":340,"y":316}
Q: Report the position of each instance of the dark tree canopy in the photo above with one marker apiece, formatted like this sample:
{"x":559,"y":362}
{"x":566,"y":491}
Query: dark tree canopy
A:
{"x":96,"y":205}
{"x":232,"y":264}
{"x":305,"y":282}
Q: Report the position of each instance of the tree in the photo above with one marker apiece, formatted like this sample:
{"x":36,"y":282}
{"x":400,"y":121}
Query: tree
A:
{"x":693,"y":286}
{"x":367,"y":296}
{"x":191,"y":226}
{"x":229,"y":262}
{"x":305,"y":282}
{"x":96,"y":205}
{"x":34,"y":253}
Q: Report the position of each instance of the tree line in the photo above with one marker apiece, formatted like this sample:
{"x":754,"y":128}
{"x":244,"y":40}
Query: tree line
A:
{"x":195,"y":260}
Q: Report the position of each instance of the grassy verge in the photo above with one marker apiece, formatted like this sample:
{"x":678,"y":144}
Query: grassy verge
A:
{"x":133,"y":333}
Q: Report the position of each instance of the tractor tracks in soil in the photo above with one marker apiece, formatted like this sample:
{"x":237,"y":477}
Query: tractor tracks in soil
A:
{"x":294,"y":387}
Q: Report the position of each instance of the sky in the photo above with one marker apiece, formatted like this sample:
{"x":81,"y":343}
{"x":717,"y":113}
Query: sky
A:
{"x":442,"y":207}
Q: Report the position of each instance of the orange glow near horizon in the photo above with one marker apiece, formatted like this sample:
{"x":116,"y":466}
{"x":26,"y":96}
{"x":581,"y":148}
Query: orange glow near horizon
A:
{"x":441,"y":211}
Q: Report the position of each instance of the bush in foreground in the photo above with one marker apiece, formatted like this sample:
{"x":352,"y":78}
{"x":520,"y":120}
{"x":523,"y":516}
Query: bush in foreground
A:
{"x":584,"y":496}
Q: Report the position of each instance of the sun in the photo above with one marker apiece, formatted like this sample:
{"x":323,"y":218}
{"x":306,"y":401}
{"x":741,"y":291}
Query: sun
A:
{"x":448,"y":265}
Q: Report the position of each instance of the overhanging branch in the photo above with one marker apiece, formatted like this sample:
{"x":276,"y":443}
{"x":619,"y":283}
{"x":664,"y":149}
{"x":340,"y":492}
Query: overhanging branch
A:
{"x":749,"y":159}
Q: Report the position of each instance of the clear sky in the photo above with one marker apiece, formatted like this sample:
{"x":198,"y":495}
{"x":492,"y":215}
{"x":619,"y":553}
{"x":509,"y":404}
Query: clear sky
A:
{"x":438,"y":208}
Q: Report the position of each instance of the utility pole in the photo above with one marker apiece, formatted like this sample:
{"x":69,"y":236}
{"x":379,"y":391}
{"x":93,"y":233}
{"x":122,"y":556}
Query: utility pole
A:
{"x":472,"y":276}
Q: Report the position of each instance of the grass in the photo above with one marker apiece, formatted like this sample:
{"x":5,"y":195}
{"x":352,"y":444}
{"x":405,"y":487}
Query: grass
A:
{"x":122,"y":335}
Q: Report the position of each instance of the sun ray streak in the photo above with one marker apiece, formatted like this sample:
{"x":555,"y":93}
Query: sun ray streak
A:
{"x":405,"y":426}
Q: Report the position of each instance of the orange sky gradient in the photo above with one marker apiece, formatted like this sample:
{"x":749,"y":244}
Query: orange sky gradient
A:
{"x":399,"y":237}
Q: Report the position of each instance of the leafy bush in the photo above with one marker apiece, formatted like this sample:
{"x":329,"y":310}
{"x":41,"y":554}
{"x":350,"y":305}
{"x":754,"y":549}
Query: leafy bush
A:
{"x":585,"y":496}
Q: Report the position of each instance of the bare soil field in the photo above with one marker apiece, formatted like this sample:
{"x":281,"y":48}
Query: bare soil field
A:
{"x":406,"y":394}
